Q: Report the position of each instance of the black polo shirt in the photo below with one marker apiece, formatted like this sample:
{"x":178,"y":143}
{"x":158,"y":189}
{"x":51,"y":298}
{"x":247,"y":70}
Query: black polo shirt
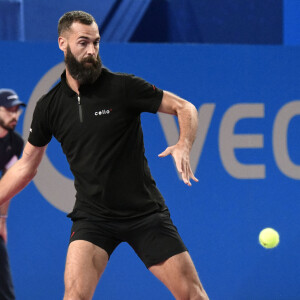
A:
{"x":101,"y":135}
{"x":11,"y":145}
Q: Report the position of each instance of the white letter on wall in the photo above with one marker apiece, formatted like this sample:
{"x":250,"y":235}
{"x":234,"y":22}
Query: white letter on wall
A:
{"x":280,"y":147}
{"x":228,"y":141}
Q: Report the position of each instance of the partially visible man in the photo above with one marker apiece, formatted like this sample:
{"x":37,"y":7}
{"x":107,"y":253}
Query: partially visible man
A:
{"x":11,"y":146}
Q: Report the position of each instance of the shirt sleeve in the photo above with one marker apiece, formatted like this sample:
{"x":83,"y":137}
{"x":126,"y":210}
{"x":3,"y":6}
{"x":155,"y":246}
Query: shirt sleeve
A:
{"x":142,"y":95}
{"x":40,"y":133}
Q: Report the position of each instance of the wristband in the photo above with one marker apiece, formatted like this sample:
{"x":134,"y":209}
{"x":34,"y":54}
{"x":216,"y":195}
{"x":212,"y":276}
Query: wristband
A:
{"x":3,"y":216}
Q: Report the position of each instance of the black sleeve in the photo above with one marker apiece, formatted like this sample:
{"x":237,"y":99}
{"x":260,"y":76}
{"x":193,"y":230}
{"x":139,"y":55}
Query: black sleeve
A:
{"x":141,"y":95}
{"x":40,"y":133}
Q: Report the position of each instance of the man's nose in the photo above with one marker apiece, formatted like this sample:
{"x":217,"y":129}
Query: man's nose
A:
{"x":92,"y":49}
{"x":16,"y":115}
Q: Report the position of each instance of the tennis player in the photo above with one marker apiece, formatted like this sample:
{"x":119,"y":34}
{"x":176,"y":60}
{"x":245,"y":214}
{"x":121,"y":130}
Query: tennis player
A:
{"x":95,"y":115}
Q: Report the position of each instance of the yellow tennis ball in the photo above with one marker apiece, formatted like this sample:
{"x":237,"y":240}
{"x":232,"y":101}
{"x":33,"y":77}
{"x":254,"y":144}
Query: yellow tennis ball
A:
{"x":269,"y":238}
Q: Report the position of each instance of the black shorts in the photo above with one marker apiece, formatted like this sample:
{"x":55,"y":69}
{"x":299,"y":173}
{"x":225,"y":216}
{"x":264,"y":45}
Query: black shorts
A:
{"x":154,"y":237}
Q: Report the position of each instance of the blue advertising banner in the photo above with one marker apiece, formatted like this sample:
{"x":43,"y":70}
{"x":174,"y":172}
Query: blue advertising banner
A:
{"x":246,"y":157}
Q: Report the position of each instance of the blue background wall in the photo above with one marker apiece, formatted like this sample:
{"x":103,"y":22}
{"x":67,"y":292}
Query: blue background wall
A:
{"x":220,"y":217}
{"x":193,"y":21}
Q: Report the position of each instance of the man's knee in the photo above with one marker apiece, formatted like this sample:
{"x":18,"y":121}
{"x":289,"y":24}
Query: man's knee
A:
{"x":77,"y":289}
{"x":192,"y":291}
{"x":198,"y":293}
{"x":75,"y":292}
{"x":75,"y":296}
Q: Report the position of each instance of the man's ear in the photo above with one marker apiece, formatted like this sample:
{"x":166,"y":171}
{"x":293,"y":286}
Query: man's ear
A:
{"x":62,"y":44}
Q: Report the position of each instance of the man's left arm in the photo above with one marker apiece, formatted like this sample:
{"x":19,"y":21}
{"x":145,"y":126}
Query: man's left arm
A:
{"x":188,"y":122}
{"x":4,"y":207}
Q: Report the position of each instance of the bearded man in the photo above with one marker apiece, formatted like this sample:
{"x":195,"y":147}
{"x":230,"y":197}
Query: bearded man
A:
{"x":95,"y":115}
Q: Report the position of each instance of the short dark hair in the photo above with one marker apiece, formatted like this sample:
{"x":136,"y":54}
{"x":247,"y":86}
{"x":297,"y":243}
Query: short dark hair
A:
{"x":66,"y":21}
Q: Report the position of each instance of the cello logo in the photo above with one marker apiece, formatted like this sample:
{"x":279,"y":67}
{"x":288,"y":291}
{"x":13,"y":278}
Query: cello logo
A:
{"x":103,"y":112}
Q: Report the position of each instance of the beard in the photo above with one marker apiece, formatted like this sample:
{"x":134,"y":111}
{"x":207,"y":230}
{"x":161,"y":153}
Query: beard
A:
{"x":85,"y":71}
{"x":8,"y":126}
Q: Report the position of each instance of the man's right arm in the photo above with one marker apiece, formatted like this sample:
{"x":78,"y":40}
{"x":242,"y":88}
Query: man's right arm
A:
{"x":21,"y":173}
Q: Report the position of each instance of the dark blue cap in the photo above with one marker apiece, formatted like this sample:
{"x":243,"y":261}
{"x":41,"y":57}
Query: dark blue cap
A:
{"x":9,"y":98}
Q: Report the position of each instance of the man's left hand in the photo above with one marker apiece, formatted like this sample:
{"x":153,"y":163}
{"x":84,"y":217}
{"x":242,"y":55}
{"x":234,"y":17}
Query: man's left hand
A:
{"x":181,"y":156}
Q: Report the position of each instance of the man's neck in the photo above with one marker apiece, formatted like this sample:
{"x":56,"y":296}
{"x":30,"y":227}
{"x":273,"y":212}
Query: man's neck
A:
{"x":73,"y":83}
{"x":3,"y":132}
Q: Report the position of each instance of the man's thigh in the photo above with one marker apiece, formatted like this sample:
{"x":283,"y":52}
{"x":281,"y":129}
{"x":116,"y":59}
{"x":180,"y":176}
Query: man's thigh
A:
{"x":155,"y":238}
{"x":85,"y":264}
{"x":179,"y":275}
{"x":175,"y":269}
